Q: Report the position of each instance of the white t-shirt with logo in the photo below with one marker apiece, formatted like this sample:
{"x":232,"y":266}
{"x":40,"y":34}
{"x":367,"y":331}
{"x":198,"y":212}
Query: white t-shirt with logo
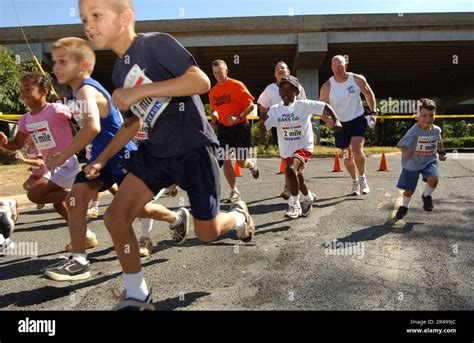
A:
{"x":293,"y":123}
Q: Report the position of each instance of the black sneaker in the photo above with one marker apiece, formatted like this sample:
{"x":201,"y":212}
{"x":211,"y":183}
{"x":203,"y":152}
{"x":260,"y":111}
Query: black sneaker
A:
{"x":130,"y":304}
{"x":62,"y":260}
{"x":401,"y":212}
{"x":427,"y":203}
{"x":255,"y":172}
{"x":69,"y":270}
{"x":306,"y":207}
{"x":180,"y":232}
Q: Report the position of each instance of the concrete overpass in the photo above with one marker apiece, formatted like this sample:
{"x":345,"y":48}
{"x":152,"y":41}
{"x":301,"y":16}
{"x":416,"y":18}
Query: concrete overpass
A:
{"x":402,"y":55}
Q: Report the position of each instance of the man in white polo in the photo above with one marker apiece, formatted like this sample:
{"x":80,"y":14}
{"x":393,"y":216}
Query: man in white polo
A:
{"x":342,"y":92}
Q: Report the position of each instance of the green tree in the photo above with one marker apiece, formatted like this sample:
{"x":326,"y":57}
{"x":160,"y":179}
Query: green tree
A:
{"x":11,"y":70}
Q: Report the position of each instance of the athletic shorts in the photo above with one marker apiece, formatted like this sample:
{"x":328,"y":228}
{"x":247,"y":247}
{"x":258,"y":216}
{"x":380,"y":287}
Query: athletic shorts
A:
{"x":303,"y":155}
{"x":409,"y":179}
{"x":65,"y":174}
{"x":196,"y":172}
{"x":353,"y":128}
{"x":107,"y":179}
{"x":237,"y":136}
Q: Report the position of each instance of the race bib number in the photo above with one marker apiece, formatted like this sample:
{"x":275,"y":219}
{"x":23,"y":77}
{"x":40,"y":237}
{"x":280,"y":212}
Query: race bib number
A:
{"x":426,"y":145}
{"x":142,"y":135}
{"x":148,"y":109}
{"x":292,"y":133}
{"x":41,"y":135}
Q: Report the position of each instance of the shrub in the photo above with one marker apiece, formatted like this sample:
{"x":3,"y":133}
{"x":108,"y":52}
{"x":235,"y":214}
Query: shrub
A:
{"x":459,"y":142}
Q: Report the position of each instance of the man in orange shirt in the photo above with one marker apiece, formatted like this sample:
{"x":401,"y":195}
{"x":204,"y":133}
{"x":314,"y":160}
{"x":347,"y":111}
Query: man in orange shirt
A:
{"x":231,"y":103}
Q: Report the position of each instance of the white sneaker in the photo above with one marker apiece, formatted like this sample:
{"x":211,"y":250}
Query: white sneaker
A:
{"x":234,"y":196}
{"x":355,"y":188}
{"x":145,"y":245}
{"x":93,"y":212}
{"x":294,"y":211}
{"x":247,"y":233}
{"x":364,"y":187}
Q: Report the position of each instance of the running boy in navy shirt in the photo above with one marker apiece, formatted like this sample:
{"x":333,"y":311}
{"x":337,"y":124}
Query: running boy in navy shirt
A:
{"x":157,"y":81}
{"x":99,"y":121}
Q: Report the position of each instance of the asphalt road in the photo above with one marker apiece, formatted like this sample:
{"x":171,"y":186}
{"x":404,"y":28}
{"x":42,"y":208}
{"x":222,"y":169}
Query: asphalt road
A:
{"x":424,"y":263}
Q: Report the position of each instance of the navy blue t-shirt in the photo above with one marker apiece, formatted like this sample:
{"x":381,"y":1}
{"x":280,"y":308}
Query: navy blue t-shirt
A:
{"x":182,"y":127}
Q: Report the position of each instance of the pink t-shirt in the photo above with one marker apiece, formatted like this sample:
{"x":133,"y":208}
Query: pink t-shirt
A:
{"x":49,"y":129}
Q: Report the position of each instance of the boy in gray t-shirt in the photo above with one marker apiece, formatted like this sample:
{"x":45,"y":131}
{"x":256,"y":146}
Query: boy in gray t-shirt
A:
{"x":420,"y":148}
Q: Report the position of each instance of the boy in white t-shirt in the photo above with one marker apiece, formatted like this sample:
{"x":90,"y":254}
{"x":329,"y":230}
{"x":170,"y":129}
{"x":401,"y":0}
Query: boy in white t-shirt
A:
{"x":292,"y":118}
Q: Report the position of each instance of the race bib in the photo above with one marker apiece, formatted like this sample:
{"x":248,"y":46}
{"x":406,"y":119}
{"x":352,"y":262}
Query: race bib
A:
{"x":426,"y":145}
{"x":292,"y":133}
{"x":142,"y":135}
{"x":76,"y":112}
{"x":148,"y":109}
{"x":41,"y":134}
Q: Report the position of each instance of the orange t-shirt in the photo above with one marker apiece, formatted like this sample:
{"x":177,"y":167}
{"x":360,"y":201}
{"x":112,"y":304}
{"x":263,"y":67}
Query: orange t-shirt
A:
{"x":230,"y":99}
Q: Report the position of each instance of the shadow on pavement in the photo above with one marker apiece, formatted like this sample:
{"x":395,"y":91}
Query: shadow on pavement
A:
{"x":374,"y":232}
{"x":48,"y":293}
{"x":177,"y":302}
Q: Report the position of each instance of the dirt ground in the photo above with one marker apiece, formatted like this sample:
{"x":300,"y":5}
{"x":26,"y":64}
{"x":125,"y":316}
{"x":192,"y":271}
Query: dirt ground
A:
{"x":12,"y":178}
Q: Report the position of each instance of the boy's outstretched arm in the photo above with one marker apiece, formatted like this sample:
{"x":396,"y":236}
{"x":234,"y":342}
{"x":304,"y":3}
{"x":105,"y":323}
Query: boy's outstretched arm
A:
{"x":126,"y":133}
{"x":192,"y":82}
{"x":86,"y":134}
{"x":329,"y":112}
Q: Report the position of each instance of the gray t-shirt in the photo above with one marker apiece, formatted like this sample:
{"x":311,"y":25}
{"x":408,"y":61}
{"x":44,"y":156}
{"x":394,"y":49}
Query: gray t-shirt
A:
{"x":182,"y":127}
{"x":425,"y":143}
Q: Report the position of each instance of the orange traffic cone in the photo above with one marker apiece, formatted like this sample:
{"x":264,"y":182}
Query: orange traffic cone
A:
{"x":383,"y":163}
{"x":282,"y":167}
{"x":237,"y":171}
{"x":337,"y":164}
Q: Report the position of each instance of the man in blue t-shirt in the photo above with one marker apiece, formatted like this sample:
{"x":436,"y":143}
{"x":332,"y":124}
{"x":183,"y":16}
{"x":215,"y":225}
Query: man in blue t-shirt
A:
{"x":420,"y":148}
{"x":158,"y":82}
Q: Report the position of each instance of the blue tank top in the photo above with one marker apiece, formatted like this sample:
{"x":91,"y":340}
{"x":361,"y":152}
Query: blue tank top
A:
{"x":108,"y":128}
